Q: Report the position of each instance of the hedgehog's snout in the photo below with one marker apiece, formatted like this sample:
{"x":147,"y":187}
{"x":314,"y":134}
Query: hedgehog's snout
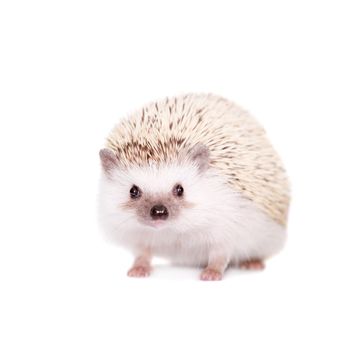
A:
{"x":159,"y":212}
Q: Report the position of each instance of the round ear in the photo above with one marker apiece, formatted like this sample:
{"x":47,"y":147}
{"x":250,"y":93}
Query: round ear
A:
{"x":109,"y":160}
{"x":200,"y":154}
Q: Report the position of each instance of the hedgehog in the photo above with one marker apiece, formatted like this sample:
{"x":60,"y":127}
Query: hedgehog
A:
{"x":193,"y":179}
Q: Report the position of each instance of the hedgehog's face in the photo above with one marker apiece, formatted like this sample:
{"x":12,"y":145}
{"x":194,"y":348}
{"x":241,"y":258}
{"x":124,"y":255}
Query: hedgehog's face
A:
{"x":156,"y":195}
{"x":154,"y":207}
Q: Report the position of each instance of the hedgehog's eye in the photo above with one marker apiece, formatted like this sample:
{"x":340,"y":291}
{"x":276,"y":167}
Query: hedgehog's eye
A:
{"x":135,"y":192}
{"x":178,"y":190}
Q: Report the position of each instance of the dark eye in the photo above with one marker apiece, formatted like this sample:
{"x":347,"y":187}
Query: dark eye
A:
{"x":178,"y":190}
{"x":135,"y":192}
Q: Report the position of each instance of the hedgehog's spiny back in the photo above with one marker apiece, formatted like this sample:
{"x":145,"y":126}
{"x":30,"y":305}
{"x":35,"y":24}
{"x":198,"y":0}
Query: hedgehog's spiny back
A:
{"x":238,"y":146}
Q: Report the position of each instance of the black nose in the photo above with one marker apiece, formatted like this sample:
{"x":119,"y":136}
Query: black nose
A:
{"x":159,"y":211}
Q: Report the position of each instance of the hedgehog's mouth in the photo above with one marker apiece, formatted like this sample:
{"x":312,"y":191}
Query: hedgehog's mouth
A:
{"x":156,"y":223}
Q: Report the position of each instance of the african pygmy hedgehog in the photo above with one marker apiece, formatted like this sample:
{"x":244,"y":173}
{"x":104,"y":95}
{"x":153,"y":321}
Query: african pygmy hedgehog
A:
{"x":193,"y":179}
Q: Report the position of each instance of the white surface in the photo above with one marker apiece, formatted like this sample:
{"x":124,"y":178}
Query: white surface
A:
{"x":68,"y":71}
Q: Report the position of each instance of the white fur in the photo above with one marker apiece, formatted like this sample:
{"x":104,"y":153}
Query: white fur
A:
{"x":221,"y":221}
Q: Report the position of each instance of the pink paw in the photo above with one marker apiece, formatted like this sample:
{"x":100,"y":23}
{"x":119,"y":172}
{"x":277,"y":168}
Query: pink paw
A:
{"x":139,"y":271}
{"x":254,"y":264}
{"x":211,"y":275}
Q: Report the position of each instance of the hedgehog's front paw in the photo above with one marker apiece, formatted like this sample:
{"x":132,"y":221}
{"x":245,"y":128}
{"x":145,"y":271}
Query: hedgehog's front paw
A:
{"x":210,"y":274}
{"x":253,"y":264}
{"x":139,"y":271}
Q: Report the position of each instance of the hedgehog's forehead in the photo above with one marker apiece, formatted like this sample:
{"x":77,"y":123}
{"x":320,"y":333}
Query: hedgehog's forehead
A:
{"x":160,"y":177}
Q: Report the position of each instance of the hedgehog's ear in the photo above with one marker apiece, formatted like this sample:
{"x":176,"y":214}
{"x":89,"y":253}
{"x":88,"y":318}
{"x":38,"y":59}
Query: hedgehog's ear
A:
{"x":109,"y":160}
{"x":199,"y":154}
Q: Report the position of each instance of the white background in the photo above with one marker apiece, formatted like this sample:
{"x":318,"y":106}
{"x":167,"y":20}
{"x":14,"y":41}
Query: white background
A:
{"x":69,"y":70}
